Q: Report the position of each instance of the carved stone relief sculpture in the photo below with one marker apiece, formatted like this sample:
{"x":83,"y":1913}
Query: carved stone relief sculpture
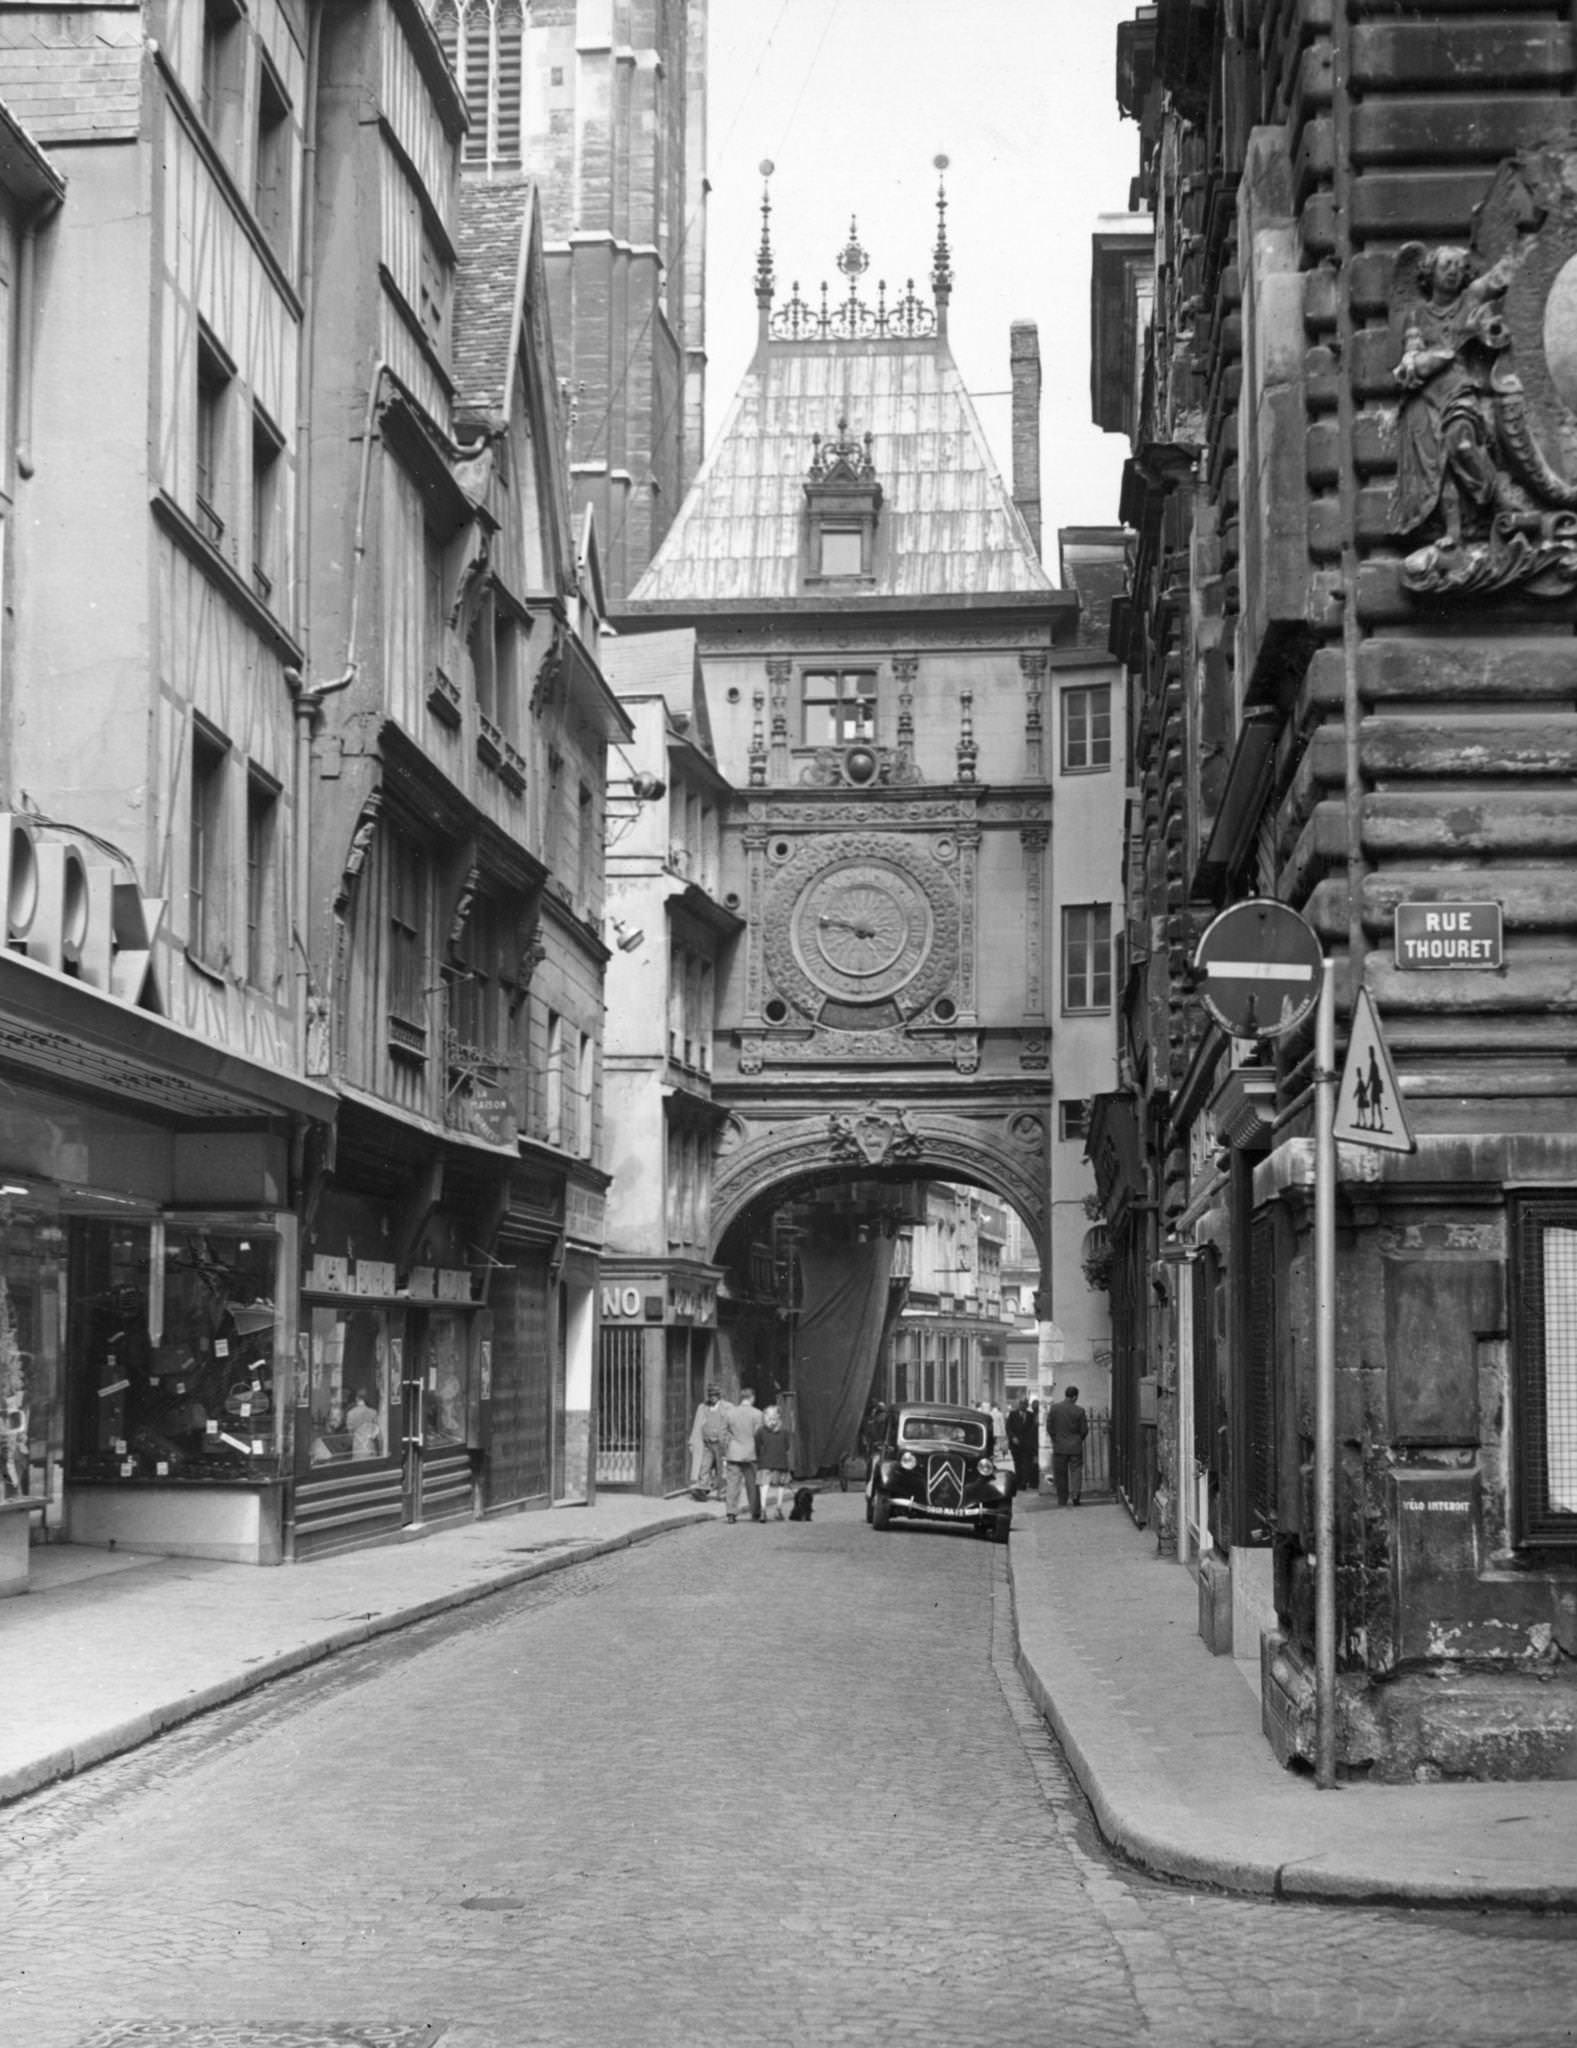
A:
{"x":1487,"y":370}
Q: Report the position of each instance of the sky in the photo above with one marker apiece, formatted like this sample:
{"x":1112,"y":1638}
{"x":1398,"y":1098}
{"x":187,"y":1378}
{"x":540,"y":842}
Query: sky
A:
{"x":852,"y":100}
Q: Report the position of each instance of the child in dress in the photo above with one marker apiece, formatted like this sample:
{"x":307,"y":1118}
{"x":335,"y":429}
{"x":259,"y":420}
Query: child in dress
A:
{"x":772,"y":1462}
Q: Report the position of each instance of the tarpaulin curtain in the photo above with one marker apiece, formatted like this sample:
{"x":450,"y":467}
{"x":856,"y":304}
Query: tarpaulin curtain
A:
{"x":842,"y":1320}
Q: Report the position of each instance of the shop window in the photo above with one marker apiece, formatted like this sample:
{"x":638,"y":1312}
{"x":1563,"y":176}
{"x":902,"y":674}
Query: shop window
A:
{"x":172,"y":1362}
{"x":1544,"y":1368}
{"x":839,"y":706}
{"x":205,"y":936}
{"x":354,"y":1366}
{"x":442,"y":1370}
{"x":1087,"y":729}
{"x":1087,"y":957}
{"x":29,"y":1284}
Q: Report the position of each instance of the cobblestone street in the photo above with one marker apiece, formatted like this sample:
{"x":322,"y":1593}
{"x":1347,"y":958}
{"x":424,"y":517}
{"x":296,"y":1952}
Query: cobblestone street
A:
{"x":777,"y":1782}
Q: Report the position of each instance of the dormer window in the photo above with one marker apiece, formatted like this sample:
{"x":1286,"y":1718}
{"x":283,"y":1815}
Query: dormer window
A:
{"x":843,"y":502}
{"x":842,"y":551}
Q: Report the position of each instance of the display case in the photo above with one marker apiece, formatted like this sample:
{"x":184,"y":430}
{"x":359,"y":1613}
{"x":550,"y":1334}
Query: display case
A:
{"x":175,"y":1350}
{"x":355,"y":1363}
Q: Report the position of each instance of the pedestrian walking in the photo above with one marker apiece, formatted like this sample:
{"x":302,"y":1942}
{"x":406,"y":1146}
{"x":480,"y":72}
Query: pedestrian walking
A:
{"x":772,"y":1462}
{"x":1068,"y":1426}
{"x":739,"y":1454}
{"x":708,"y":1435}
{"x":1024,"y":1445}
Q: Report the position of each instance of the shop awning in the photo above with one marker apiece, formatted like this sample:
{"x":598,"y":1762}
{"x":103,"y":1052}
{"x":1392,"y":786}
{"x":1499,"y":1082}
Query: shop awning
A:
{"x":72,"y":1039}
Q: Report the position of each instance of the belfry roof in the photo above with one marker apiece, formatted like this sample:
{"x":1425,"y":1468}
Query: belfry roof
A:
{"x":949,"y":525}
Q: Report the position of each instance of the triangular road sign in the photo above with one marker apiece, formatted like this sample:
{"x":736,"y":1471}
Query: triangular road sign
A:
{"x":1368,"y":1103}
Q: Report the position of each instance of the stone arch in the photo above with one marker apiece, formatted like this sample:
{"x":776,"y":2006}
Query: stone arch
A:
{"x":1007,"y":1153}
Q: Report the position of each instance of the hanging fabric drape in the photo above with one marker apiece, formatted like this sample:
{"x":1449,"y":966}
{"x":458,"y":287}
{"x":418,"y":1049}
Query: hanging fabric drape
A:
{"x":843,"y":1317}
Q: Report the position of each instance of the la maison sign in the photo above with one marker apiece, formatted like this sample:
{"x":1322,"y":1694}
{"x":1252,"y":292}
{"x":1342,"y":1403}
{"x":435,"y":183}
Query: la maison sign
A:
{"x":78,"y":915}
{"x":1438,"y":935}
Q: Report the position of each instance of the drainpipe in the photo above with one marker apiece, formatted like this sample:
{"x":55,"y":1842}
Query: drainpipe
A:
{"x":26,"y":295}
{"x":308,"y":699}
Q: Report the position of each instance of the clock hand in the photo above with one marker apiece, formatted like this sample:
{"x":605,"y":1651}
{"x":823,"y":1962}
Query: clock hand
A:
{"x":860,"y":931}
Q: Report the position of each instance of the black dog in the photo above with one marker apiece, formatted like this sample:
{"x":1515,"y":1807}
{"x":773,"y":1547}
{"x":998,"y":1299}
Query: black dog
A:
{"x":804,"y":1502}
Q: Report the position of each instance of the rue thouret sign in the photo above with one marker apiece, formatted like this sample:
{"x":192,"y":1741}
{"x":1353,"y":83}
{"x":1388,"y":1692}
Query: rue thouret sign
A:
{"x":1432,"y":935}
{"x":1259,"y":966}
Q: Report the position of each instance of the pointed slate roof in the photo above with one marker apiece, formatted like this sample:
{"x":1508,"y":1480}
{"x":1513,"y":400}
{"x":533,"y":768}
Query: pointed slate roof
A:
{"x":949,"y":525}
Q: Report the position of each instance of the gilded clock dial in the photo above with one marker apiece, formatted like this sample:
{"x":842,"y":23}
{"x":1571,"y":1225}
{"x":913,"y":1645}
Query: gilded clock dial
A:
{"x":862,"y":931}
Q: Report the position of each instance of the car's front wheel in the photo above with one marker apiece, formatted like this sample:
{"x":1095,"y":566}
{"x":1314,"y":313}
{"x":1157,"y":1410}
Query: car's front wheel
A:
{"x":881,"y":1511}
{"x":870,"y":1504}
{"x":1002,"y":1528}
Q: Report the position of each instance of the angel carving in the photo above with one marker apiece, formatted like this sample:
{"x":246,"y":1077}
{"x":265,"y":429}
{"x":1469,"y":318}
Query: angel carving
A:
{"x":1454,"y":335}
{"x":1469,"y":464}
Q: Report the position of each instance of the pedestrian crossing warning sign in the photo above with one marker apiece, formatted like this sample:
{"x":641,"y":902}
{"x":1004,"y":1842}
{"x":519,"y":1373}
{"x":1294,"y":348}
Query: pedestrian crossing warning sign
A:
{"x":1368,"y":1103}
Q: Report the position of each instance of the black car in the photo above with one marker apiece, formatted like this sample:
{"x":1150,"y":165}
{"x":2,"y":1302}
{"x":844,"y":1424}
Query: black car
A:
{"x":936,"y":1463}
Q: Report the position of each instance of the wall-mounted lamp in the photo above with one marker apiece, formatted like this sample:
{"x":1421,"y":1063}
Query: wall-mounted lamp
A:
{"x":626,"y":940}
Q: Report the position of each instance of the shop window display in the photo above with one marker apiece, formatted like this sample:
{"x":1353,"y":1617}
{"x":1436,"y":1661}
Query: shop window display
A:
{"x":353,"y":1364}
{"x":444,"y":1379}
{"x":29,"y":1253}
{"x":172,"y":1348}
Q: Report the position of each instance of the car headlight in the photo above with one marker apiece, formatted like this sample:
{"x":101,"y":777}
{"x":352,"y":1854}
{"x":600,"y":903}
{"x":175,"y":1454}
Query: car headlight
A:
{"x":908,"y":1461}
{"x":987,"y":1468}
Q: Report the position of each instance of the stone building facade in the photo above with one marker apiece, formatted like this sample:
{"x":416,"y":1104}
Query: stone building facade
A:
{"x":917,"y":740}
{"x":1348,"y":629}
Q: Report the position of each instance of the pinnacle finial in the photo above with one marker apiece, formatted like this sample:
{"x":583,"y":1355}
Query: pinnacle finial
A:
{"x":764,"y":273}
{"x":942,"y":259}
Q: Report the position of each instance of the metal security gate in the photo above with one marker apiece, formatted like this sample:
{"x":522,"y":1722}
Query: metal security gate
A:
{"x":620,"y":1403}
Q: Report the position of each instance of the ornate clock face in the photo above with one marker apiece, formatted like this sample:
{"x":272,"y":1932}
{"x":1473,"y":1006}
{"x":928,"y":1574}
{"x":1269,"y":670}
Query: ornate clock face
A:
{"x":862,"y":932}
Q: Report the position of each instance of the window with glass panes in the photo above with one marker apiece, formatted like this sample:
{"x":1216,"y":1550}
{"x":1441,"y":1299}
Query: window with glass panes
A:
{"x":1087,"y":956}
{"x":839,"y":706}
{"x":407,"y":910}
{"x":1544,"y":1368}
{"x":1087,"y":728}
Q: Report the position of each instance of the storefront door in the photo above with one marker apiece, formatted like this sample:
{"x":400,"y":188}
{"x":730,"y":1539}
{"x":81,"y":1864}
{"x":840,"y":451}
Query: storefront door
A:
{"x":435,"y":1392}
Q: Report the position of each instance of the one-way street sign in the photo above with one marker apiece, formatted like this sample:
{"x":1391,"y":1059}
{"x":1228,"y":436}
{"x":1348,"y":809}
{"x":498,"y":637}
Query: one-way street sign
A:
{"x":1259,"y":967}
{"x":1368,"y":1103}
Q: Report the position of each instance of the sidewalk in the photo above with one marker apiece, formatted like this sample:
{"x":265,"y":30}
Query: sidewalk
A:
{"x":108,"y":1650}
{"x":1166,"y":1741}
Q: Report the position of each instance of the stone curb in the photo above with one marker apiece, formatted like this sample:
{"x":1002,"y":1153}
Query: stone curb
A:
{"x":1170,"y":1841}
{"x":141,"y":1728}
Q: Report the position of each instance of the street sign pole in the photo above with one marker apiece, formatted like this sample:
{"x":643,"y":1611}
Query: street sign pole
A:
{"x":1325,"y":1381}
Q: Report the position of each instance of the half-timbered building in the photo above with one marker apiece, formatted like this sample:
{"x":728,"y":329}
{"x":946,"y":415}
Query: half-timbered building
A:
{"x":155,"y":1119}
{"x":460,"y":726}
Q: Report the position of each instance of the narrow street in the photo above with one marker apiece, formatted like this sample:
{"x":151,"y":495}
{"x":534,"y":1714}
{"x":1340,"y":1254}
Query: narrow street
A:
{"x":776,"y":1782}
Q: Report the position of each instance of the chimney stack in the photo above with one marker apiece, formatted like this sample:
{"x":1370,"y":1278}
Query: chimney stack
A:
{"x":1024,"y":357}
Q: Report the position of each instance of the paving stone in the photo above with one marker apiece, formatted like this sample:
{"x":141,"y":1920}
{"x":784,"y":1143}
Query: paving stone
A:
{"x":796,"y":1759}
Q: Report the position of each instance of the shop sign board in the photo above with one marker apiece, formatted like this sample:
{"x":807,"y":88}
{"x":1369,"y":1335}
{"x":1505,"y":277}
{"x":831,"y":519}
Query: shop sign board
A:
{"x":1438,"y":935}
{"x":1368,"y":1103}
{"x":1259,"y":966}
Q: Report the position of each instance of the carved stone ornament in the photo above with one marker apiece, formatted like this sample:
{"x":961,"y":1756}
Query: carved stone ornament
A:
{"x":876,"y":1136}
{"x":1487,"y":367}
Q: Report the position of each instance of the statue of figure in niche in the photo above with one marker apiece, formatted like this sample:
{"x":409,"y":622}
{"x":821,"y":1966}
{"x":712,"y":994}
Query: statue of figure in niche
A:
{"x":1468,"y":462}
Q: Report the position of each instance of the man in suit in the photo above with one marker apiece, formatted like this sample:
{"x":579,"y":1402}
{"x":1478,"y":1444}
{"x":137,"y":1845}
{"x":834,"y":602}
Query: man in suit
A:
{"x":739,"y":1455}
{"x":1068,"y":1426}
